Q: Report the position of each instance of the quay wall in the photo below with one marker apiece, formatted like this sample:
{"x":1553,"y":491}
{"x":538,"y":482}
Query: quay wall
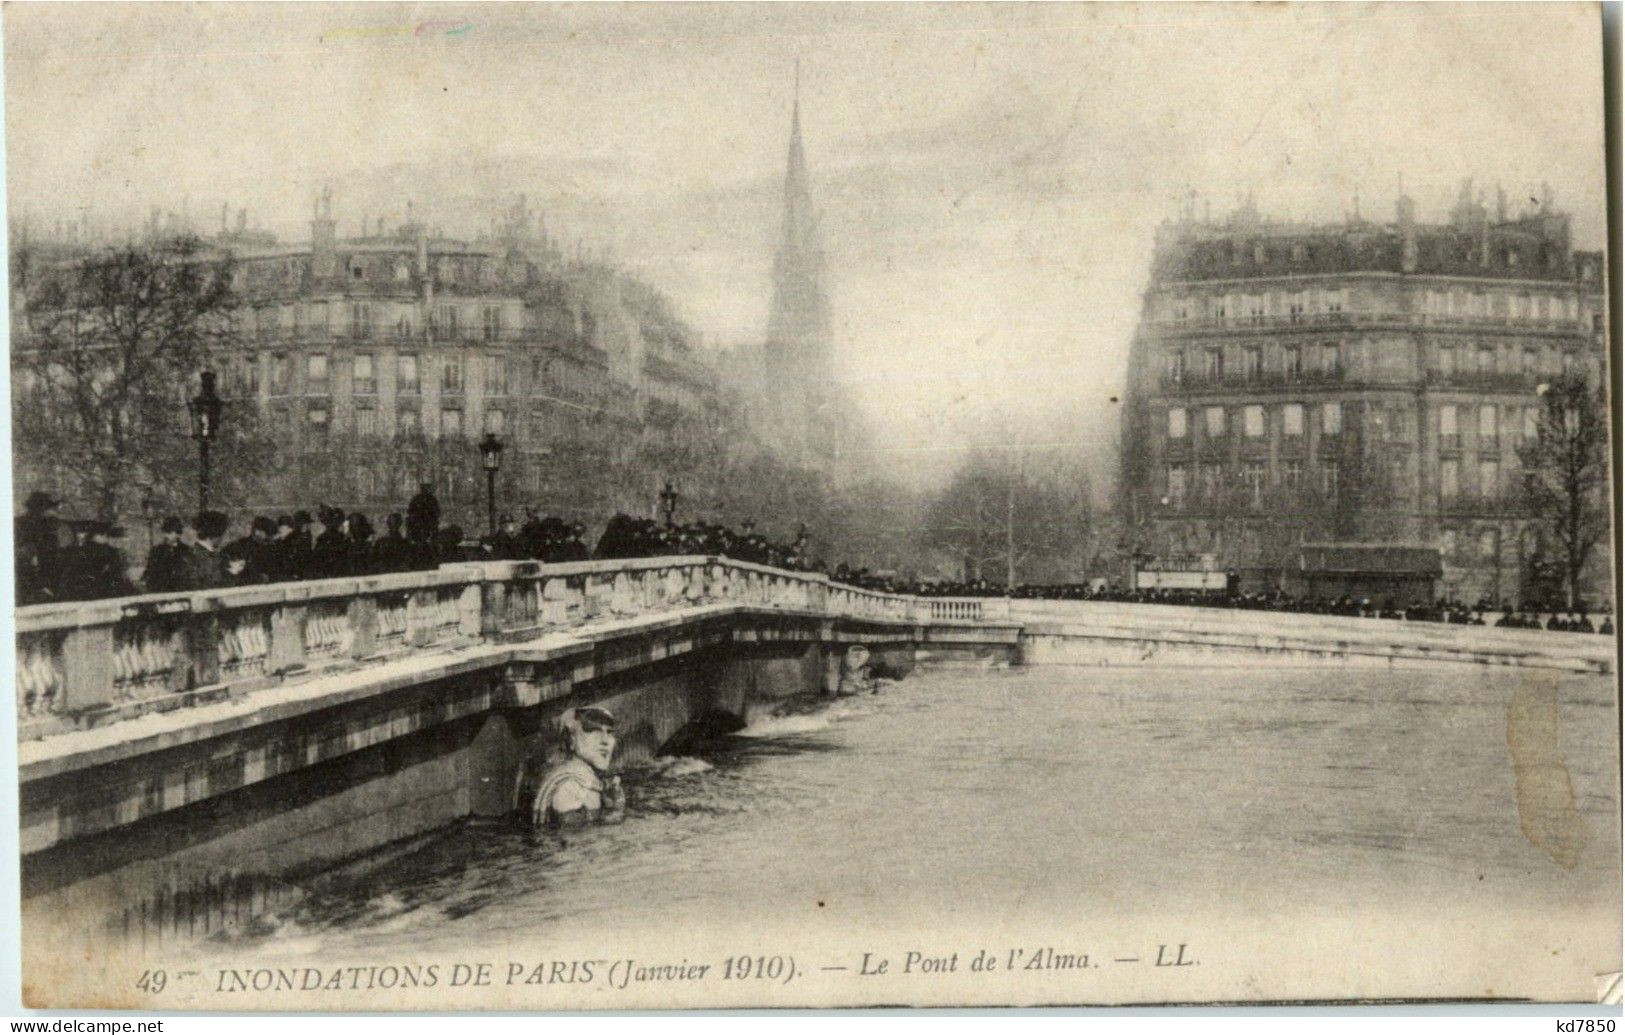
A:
{"x":1109,"y":633}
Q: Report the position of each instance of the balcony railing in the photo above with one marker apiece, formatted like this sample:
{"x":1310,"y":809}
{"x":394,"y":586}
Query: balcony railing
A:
{"x":1199,"y":382}
{"x":94,"y":662}
{"x":1316,"y":321}
{"x":1514,"y":381}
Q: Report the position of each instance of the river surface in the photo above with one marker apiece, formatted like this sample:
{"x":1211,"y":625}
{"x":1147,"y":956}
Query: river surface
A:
{"x":1306,"y":833}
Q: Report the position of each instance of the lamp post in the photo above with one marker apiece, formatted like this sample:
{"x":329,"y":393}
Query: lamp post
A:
{"x":491,"y":460}
{"x":668,"y":502}
{"x":149,"y":511}
{"x":205,"y":408}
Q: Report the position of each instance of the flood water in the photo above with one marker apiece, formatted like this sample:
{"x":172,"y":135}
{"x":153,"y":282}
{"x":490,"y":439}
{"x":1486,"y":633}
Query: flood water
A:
{"x":1308,"y":833}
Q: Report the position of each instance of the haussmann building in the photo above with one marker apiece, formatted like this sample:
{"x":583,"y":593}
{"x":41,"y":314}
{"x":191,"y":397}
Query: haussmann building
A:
{"x":1359,"y":384}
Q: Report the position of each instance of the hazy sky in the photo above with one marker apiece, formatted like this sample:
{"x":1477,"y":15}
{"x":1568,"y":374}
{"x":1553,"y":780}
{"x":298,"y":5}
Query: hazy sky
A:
{"x":990,"y":177}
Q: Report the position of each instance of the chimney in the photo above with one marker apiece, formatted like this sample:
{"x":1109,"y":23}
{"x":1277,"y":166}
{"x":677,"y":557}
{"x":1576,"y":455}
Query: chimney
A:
{"x":1405,"y":212}
{"x":242,"y":220}
{"x":322,"y":233}
{"x":225,"y":211}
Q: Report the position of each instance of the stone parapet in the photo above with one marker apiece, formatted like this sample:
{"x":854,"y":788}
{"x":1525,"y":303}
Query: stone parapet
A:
{"x":88,"y":664}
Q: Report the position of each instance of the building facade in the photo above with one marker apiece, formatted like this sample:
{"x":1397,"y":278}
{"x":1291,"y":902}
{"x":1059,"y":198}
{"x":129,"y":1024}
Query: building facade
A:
{"x":374,"y":363}
{"x":394,"y":351}
{"x":1357,"y":382}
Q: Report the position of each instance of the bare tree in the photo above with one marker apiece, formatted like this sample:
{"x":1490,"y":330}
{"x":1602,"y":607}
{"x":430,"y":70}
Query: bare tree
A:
{"x":106,"y":349}
{"x":1004,"y":513}
{"x":1565,"y":471}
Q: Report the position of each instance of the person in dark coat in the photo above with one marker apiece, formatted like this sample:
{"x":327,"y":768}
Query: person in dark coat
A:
{"x":507,"y":545}
{"x":109,"y":571}
{"x":248,"y":559}
{"x":391,"y":551}
{"x":39,"y":538}
{"x":207,"y":566}
{"x":167,"y":565}
{"x":358,"y":538}
{"x":280,"y":551}
{"x":575,"y":547}
{"x":330,"y":548}
{"x":94,"y":568}
{"x":70,"y":575}
{"x":423,"y":515}
{"x":448,"y":546}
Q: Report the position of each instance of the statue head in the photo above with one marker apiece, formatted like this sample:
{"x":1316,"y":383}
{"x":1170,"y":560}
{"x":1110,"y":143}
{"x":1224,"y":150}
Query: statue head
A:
{"x":589,"y":734}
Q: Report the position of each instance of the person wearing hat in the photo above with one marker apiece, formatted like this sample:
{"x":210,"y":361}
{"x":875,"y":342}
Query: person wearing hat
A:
{"x":38,"y":537}
{"x":575,"y":547}
{"x":167,"y":565}
{"x":206,"y":566}
{"x":579,"y":789}
{"x":106,"y":571}
{"x":391,"y":551}
{"x":330,"y":548}
{"x":423,"y":515}
{"x":248,"y":559}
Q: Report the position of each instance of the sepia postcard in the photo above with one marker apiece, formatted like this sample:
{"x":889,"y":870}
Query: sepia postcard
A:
{"x":674,"y":506}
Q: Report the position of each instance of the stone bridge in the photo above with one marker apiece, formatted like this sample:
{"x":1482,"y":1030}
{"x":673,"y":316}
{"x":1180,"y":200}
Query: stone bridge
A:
{"x":187,"y":760}
{"x":185,"y":757}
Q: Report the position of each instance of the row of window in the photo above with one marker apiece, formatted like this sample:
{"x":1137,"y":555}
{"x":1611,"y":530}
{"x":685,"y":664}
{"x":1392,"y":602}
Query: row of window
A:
{"x":1216,"y":421}
{"x":1512,"y":305}
{"x":1298,"y":306}
{"x":243,"y":376}
{"x":1257,"y":308}
{"x":319,"y":419}
{"x":1327,"y":359}
{"x":1456,"y":546}
{"x":399,"y":268}
{"x":360,"y":319}
{"x":1489,"y":422}
{"x":1207,"y":481}
{"x":1449,"y":361}
{"x":1295,"y":360}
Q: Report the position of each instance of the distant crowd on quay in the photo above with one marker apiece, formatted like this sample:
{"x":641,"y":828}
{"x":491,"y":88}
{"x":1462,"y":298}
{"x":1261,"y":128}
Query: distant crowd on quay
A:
{"x":59,"y":560}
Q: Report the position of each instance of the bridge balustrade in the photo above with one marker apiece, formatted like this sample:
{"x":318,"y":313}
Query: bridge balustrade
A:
{"x":90,"y":663}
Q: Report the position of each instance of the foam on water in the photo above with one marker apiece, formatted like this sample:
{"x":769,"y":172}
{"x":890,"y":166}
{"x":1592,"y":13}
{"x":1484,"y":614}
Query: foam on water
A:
{"x":785,"y":725}
{"x":795,"y":718}
{"x":673,"y":766}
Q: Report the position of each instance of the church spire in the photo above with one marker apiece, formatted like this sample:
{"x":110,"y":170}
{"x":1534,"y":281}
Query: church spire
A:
{"x":798,"y":334}
{"x":797,"y":196}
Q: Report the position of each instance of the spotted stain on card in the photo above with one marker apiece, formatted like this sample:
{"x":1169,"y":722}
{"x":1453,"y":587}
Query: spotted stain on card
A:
{"x":1547,"y":811}
{"x":429,"y":28}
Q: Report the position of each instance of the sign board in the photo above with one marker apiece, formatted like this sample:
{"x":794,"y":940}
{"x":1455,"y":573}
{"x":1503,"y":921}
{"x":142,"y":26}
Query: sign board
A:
{"x":1212,"y":581}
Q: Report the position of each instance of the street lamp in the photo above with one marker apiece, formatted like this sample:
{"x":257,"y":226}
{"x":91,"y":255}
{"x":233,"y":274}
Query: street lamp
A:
{"x":149,"y":511}
{"x":668,"y":502}
{"x":205,"y":408}
{"x":491,"y":460}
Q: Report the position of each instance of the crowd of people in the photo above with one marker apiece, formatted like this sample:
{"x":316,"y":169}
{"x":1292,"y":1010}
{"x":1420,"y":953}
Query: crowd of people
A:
{"x":1448,"y":609}
{"x":61,"y":560}
{"x":626,"y":536}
